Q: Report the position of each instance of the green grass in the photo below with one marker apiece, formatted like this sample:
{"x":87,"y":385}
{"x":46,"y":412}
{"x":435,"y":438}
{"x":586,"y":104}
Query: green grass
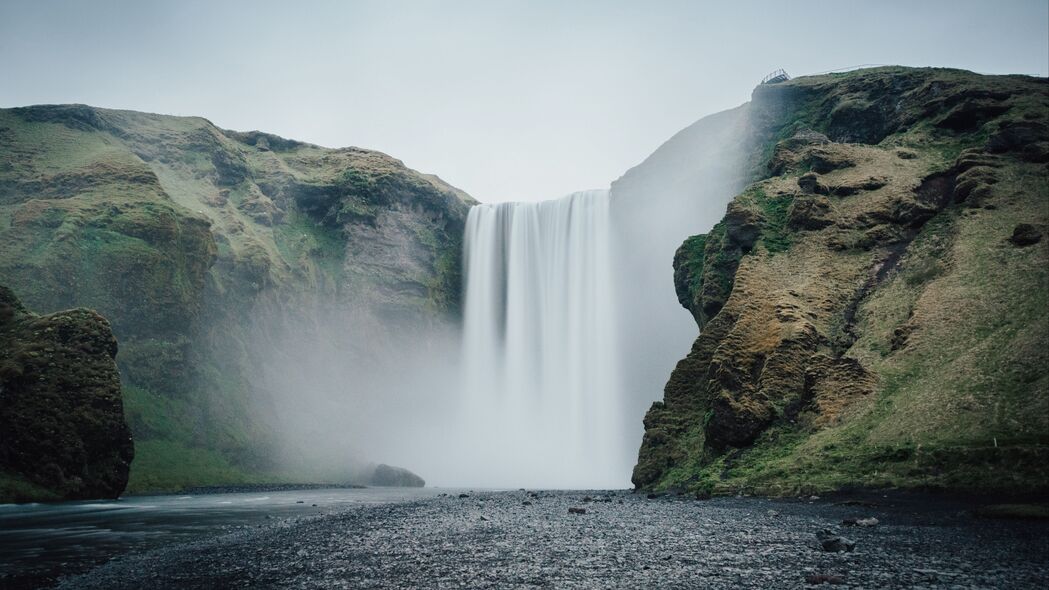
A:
{"x":164,"y":465}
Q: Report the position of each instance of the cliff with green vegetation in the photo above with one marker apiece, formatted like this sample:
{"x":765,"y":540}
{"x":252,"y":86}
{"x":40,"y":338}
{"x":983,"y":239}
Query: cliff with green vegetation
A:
{"x":61,"y":416}
{"x":184,"y":236}
{"x":874,"y":307}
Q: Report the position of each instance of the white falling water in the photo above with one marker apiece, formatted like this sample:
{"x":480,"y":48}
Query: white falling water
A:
{"x":541,"y":397}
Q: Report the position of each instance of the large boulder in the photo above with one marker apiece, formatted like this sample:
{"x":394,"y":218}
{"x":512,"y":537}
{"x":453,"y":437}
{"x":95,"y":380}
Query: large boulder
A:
{"x":61,"y":413}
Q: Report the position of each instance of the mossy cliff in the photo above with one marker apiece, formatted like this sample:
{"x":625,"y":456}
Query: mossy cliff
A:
{"x":62,"y":428}
{"x":874,"y":308}
{"x":186,"y":236}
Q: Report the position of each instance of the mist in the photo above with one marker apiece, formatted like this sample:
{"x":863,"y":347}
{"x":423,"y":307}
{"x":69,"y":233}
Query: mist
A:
{"x":569,"y":327}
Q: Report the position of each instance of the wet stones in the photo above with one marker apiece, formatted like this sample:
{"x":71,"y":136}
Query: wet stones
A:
{"x":827,"y":159}
{"x":576,"y":510}
{"x":833,"y":543}
{"x":817,"y":579}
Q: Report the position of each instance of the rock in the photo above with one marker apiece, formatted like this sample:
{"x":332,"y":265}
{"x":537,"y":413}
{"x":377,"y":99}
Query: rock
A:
{"x":809,"y":212}
{"x":1025,"y":234}
{"x":810,"y":183}
{"x":1026,"y":137}
{"x":861,"y":522}
{"x":464,"y":495}
{"x":574,"y":510}
{"x":853,"y":187}
{"x":526,"y":503}
{"x":587,"y":499}
{"x":484,"y":518}
{"x":63,"y":434}
{"x":905,"y":154}
{"x":833,"y":543}
{"x":388,"y":476}
{"x":773,"y":513}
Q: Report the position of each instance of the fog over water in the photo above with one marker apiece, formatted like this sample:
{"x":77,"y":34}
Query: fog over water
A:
{"x":570,"y":327}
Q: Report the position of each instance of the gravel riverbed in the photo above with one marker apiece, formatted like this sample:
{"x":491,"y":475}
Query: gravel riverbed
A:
{"x":524,"y":539}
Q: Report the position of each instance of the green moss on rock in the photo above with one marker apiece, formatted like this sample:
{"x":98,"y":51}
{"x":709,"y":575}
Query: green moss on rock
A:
{"x":61,"y":413}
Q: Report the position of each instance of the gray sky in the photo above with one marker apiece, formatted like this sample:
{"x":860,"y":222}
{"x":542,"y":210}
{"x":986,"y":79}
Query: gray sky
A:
{"x":509,"y":100}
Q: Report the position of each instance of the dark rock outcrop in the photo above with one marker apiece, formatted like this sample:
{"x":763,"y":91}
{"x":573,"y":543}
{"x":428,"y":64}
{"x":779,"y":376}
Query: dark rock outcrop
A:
{"x":62,"y":428}
{"x":848,"y":286}
{"x":1025,"y":234}
{"x":399,"y":477}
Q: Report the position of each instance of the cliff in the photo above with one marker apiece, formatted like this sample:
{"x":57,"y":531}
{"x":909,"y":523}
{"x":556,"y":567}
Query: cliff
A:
{"x":204,"y":247}
{"x":873,"y":308}
{"x":62,"y":428}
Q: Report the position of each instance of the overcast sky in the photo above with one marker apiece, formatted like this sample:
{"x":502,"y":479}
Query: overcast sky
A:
{"x":508,"y":100}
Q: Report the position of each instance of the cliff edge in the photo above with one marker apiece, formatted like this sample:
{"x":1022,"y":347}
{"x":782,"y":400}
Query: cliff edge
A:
{"x":62,"y":428}
{"x":874,"y":309}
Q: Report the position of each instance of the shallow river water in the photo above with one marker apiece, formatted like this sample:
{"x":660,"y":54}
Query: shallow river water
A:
{"x":41,"y":541}
{"x":433,"y":538}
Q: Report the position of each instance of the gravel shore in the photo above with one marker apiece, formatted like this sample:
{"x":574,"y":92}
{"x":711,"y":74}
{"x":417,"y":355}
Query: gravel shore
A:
{"x":623,"y":540}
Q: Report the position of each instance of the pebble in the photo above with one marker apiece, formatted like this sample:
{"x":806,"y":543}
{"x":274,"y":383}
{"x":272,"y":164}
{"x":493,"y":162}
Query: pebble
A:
{"x":721,"y":544}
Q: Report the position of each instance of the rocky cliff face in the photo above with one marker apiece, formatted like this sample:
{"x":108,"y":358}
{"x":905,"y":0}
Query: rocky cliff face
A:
{"x":873,"y":310}
{"x":199,"y":244}
{"x":61,"y":415}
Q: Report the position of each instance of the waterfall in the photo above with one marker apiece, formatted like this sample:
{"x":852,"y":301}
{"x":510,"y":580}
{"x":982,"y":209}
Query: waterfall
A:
{"x":540,"y":391}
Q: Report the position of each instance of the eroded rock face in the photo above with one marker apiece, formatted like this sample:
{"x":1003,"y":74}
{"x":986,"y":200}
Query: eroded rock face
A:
{"x":201,"y":245}
{"x":819,"y":293}
{"x":61,"y":413}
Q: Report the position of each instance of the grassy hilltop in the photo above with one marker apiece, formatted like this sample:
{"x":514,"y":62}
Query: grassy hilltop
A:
{"x":181,"y":234}
{"x":874,"y":308}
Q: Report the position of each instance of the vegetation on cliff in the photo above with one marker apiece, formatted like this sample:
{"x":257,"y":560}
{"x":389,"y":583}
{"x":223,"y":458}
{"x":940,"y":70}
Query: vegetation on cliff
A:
{"x":62,"y":421}
{"x":183,"y":235}
{"x":873,"y":309}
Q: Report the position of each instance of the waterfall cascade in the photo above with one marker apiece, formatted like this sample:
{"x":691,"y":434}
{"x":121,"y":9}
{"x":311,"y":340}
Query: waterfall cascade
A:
{"x":541,"y":386}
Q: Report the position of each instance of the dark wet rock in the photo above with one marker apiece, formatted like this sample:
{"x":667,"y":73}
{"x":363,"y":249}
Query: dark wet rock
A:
{"x":464,"y":495}
{"x":1025,"y":234}
{"x":63,"y":434}
{"x":723,"y":544}
{"x":526,"y":503}
{"x":576,"y":510}
{"x":833,"y":543}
